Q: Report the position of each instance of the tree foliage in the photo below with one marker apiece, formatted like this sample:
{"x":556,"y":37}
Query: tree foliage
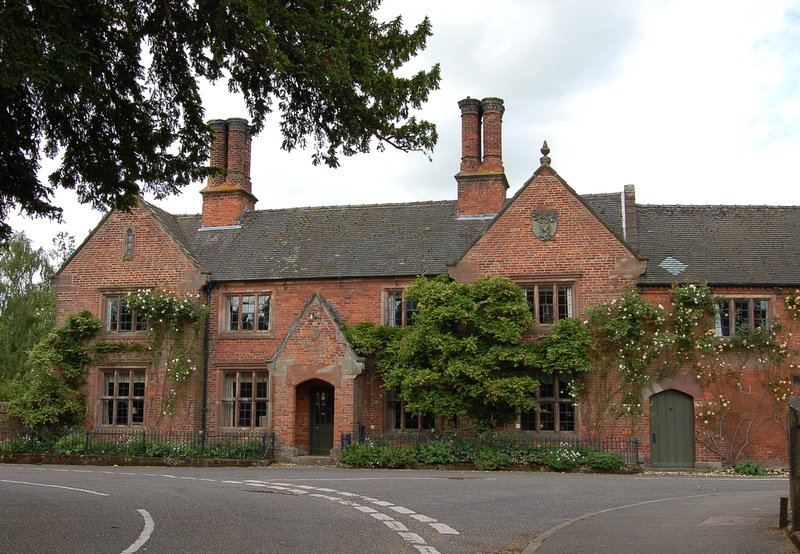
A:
{"x":464,"y":355}
{"x":51,"y":393}
{"x":27,"y":303}
{"x":113,"y":86}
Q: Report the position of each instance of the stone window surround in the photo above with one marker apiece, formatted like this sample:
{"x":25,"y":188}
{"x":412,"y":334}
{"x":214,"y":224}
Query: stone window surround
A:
{"x":134,"y":398}
{"x":137,"y":326}
{"x":236,"y":400}
{"x":388,"y":311}
{"x":227,"y":292}
{"x":128,"y":242}
{"x":527,"y":282}
{"x":750,"y":299}
{"x":560,"y":403}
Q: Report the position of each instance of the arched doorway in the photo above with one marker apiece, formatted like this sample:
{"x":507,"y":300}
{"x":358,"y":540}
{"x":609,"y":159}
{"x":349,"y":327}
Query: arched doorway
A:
{"x":671,"y":429}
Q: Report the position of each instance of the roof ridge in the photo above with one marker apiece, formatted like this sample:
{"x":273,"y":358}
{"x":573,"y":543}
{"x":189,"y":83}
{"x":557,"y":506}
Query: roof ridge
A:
{"x":729,"y":206}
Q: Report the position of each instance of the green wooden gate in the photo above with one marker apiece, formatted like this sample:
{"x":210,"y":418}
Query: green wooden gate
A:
{"x":671,"y":429}
{"x":321,"y":432}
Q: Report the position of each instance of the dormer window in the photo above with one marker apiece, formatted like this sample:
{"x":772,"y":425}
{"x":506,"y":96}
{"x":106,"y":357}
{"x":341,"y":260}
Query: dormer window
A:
{"x":128,"y":244}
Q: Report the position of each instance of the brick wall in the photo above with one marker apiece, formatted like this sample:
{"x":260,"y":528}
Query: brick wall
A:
{"x":100,"y":268}
{"x":582,"y":249}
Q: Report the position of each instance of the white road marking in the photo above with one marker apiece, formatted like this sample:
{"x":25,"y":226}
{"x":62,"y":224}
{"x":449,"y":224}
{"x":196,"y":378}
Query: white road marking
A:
{"x":54,"y":487}
{"x":395,"y":525}
{"x":144,"y":536}
{"x":444,"y":529}
{"x":412,"y":538}
{"x":297,"y":489}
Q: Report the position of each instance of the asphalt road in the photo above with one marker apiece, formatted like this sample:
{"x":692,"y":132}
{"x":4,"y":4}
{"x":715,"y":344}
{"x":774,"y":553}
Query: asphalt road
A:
{"x":292,"y":509}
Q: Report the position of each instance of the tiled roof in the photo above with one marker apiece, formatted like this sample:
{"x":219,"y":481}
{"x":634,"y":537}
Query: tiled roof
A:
{"x":339,"y":241}
{"x":720,"y":245}
{"x":609,"y":207}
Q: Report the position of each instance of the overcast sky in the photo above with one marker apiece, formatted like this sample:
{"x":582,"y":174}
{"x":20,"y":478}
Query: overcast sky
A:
{"x":692,"y":101}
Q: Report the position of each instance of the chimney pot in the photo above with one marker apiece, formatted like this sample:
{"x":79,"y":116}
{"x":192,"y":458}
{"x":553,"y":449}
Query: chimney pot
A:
{"x":470,"y":134}
{"x":492,"y":134}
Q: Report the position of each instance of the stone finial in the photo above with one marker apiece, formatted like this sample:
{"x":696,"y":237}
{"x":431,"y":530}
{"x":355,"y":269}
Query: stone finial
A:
{"x":545,"y":159}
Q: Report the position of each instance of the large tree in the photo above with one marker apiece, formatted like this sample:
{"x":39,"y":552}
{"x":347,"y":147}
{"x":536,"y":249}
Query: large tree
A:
{"x":27,"y":303}
{"x":113,"y":87}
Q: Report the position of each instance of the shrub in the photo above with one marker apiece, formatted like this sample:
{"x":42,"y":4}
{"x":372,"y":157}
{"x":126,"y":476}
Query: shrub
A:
{"x":106,"y":447}
{"x":233,"y":448}
{"x":396,"y":458}
{"x":437,"y":452}
{"x":750,"y":468}
{"x":71,"y":444}
{"x":488,"y":459}
{"x":362,"y":455}
{"x":608,"y":461}
{"x":20,"y":444}
{"x":563,"y":458}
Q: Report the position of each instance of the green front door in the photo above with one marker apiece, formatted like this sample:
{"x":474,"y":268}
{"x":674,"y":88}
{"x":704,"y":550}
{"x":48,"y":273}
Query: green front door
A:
{"x":671,"y":429}
{"x":321,"y":432}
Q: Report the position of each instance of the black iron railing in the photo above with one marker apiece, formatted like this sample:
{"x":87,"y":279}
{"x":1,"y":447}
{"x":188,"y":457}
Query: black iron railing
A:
{"x":466,"y":444}
{"x":113,"y":442}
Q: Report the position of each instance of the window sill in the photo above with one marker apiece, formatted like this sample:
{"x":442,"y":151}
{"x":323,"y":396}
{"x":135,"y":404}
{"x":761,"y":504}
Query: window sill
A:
{"x":244,"y":429}
{"x":124,"y":334}
{"x":239,"y":335}
{"x":107,"y":427}
{"x":549,"y":434}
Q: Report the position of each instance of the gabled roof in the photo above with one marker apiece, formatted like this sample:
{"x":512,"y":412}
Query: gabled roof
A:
{"x":170,"y":225}
{"x":720,"y":245}
{"x":330,"y":312}
{"x":333,"y":241}
{"x":604,"y":207}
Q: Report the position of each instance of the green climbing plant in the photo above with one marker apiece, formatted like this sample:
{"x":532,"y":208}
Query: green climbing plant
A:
{"x":51,"y":395}
{"x":174,"y":326}
{"x":634,"y":343}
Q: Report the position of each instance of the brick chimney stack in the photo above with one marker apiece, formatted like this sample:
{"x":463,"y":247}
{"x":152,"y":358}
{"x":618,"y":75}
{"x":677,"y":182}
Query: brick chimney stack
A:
{"x":482,"y":183}
{"x":228,"y":195}
{"x":470,"y":134}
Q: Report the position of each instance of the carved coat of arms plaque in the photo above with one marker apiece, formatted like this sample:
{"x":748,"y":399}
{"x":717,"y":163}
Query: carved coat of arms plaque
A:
{"x":544,"y":224}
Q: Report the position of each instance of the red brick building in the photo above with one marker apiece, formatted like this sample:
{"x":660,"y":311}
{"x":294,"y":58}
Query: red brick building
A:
{"x":282,"y":283}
